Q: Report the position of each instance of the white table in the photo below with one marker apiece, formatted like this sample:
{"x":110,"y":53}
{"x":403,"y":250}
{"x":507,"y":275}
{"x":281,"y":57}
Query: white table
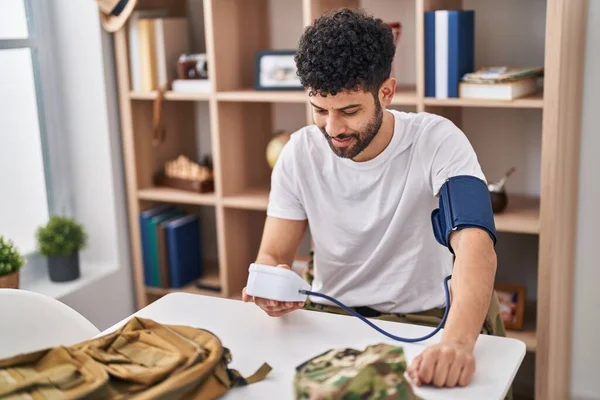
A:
{"x":285,"y":342}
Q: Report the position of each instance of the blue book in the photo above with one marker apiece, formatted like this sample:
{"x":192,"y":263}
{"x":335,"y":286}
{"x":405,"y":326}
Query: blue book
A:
{"x":449,"y":51}
{"x":153,"y":240}
{"x":184,"y":250}
{"x":145,"y":217}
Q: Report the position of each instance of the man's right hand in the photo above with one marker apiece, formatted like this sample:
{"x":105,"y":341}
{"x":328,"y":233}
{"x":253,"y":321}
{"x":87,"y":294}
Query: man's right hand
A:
{"x":273,"y":308}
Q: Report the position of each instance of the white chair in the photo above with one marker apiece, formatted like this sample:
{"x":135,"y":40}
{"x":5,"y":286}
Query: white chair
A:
{"x":31,"y":321}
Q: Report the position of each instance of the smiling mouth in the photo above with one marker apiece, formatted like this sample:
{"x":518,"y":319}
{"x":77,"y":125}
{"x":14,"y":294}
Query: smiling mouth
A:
{"x":343,"y":142}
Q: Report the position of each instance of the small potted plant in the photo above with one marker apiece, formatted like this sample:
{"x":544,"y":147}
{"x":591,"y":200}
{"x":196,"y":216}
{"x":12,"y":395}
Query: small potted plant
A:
{"x":11,"y":262}
{"x":61,"y":240}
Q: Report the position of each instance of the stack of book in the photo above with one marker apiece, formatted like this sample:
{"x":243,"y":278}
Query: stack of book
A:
{"x":449,"y":51}
{"x":171,"y":247}
{"x":155,"y":44}
{"x":501,"y":83}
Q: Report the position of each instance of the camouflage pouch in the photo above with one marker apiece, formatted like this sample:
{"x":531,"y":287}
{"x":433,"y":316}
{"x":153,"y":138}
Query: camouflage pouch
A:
{"x":377,"y":372}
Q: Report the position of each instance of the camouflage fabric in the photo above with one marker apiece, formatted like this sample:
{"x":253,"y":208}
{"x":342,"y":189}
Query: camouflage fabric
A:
{"x":377,"y":372}
{"x":492,"y":325}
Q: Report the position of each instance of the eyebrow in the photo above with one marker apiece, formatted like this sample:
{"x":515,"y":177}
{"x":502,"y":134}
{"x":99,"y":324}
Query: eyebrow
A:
{"x":339,"y":109}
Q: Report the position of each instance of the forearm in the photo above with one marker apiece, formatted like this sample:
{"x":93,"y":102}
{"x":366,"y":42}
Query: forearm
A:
{"x":472,"y":284}
{"x":272,"y":259}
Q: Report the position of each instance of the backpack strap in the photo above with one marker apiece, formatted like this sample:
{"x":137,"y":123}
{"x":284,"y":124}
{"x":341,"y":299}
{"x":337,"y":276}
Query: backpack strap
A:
{"x":238,"y":380}
{"x":259,"y":375}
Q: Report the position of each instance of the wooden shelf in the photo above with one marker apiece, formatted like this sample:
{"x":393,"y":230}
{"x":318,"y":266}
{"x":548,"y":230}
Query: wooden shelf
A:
{"x":264,"y":96}
{"x":533,"y":101}
{"x":175,"y":96}
{"x":250,"y":199}
{"x":168,"y":195}
{"x":522,"y":215}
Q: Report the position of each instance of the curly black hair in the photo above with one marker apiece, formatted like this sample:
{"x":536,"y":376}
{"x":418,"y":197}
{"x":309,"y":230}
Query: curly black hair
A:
{"x":346,"y":49}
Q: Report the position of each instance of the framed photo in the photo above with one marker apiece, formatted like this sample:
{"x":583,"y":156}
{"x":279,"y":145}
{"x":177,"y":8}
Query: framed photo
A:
{"x":512,"y":305}
{"x":276,"y":70}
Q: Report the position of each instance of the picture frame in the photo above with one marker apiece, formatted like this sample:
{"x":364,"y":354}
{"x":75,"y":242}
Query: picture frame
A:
{"x":512,"y":305}
{"x":276,"y":70}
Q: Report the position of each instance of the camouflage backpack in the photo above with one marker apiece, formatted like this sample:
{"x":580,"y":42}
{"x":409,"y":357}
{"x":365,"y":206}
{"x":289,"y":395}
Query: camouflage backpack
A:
{"x":377,"y":372}
{"x":142,"y":360}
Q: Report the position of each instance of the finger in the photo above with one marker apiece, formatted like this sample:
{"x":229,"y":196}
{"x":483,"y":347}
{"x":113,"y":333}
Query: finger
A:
{"x":245,"y":296}
{"x":467,"y":372}
{"x":440,"y":373}
{"x":427,"y":367}
{"x":277,"y":313}
{"x":454,"y":373}
{"x":413,"y":370}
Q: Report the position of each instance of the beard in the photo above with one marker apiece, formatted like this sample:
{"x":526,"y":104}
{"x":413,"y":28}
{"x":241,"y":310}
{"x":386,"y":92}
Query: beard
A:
{"x":361,"y":139}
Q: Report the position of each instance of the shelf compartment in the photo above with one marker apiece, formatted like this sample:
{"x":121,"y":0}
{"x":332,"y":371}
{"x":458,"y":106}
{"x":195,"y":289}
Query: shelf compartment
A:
{"x":522,"y":215}
{"x":173,"y":96}
{"x":534,"y":101}
{"x":169,"y":195}
{"x":249,"y":199}
{"x":243,"y":233}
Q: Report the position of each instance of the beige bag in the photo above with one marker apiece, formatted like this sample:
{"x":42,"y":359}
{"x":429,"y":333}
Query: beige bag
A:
{"x":141,"y":360}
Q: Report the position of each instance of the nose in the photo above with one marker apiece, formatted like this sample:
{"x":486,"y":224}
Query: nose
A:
{"x":335,"y":126}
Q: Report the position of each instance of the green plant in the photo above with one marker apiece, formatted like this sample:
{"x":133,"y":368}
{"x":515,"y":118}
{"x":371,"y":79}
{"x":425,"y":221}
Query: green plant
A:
{"x":10,"y":259}
{"x":61,"y":236}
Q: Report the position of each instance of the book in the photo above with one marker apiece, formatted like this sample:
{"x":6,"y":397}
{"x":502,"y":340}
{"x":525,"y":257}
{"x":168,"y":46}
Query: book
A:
{"x":449,"y":51}
{"x":134,"y":44}
{"x":184,"y":248}
{"x":153,"y":224}
{"x":502,"y":74}
{"x":509,"y":90}
{"x":144,"y":221}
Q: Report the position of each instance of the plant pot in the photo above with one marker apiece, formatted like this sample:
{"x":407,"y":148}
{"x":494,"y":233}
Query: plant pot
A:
{"x":64,"y":269}
{"x":10,"y":281}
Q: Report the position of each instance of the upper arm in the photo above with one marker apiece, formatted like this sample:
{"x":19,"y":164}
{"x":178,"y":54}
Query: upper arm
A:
{"x":451,"y":154}
{"x":281,"y":240}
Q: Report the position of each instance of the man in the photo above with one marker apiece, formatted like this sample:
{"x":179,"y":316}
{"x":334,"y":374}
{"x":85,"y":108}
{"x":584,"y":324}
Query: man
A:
{"x":367,"y":180}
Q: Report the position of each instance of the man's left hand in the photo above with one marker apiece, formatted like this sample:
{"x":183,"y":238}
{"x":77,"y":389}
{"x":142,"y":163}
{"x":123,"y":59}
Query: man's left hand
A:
{"x":444,"y":364}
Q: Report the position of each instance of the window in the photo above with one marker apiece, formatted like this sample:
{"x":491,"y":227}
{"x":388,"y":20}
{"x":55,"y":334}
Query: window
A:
{"x":29,"y":155}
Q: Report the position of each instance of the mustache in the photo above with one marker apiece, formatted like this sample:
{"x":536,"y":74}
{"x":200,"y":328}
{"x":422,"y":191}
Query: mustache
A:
{"x":341,"y":136}
{"x":344,"y":136}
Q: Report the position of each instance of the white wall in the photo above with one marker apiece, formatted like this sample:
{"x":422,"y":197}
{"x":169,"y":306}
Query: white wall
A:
{"x":89,"y":108}
{"x":586,"y":313}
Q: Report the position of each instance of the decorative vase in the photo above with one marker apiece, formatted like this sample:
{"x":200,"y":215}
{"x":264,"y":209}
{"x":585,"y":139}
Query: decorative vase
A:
{"x":64,"y":268}
{"x":10,"y":281}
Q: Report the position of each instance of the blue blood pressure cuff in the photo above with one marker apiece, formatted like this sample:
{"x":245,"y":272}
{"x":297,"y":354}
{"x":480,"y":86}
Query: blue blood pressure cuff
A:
{"x":464,"y":202}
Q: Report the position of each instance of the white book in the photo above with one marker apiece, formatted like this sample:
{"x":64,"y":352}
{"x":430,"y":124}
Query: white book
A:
{"x":498,"y":91}
{"x":441,"y":54}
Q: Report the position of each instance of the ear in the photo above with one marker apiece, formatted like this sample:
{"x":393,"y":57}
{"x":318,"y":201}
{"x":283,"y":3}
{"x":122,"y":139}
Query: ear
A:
{"x":387,"y":91}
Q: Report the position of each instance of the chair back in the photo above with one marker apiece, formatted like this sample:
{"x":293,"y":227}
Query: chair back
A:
{"x":31,"y":321}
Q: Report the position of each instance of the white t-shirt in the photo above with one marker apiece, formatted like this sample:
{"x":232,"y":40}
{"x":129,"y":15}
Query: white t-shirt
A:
{"x":371,"y":221}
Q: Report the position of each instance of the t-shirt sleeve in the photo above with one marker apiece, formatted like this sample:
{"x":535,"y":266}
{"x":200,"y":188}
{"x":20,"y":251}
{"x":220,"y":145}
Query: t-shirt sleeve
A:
{"x":284,"y":197}
{"x":454,"y":155}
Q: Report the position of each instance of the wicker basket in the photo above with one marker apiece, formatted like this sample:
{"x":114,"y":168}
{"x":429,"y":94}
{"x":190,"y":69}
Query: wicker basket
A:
{"x":10,"y":281}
